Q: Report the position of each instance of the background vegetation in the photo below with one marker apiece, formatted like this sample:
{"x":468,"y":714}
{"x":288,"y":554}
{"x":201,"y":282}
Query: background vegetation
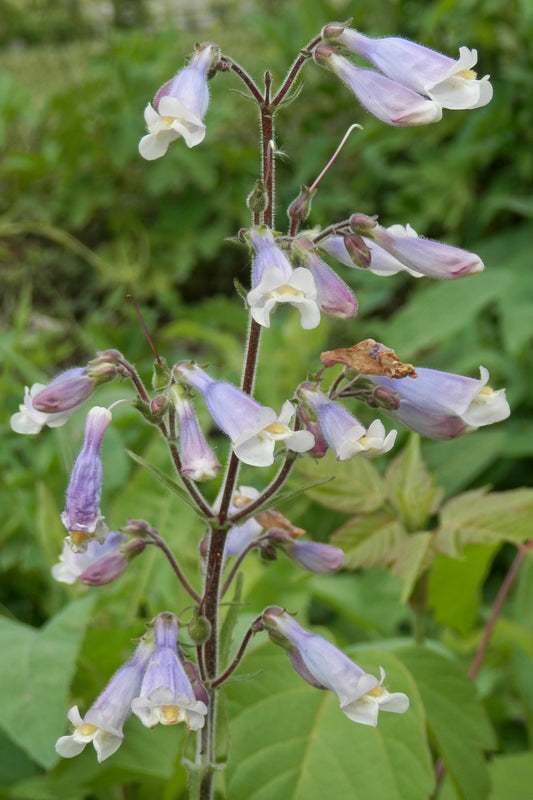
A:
{"x":84,"y":221}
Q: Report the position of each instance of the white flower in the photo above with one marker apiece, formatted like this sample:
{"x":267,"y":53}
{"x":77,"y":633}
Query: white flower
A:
{"x":256,"y":444}
{"x":29,"y":420}
{"x":298,"y":290}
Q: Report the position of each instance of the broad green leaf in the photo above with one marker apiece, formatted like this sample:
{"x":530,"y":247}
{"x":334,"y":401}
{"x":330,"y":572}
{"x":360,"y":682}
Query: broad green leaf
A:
{"x":368,"y":540}
{"x":485,"y":517}
{"x":357,"y":485}
{"x":455,"y":586}
{"x":427,"y":319}
{"x":36,"y":674}
{"x":411,"y":488}
{"x":456,"y":463}
{"x":512,"y":776}
{"x":410,"y":558}
{"x":291,"y":741}
{"x":14,"y":763}
{"x":456,"y":719}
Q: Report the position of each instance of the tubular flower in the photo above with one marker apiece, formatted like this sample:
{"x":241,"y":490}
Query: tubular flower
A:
{"x":425,"y":255}
{"x":82,"y":517}
{"x":72,"y":566}
{"x":104,"y":721}
{"x":275,"y":281}
{"x":315,"y":556}
{"x":198,"y":461}
{"x":361,"y":695}
{"x":179,"y":107}
{"x":381,"y":262}
{"x":166,"y":694}
{"x":388,"y":100}
{"x":53,"y":404}
{"x":252,"y":428}
{"x":450,"y":82}
{"x":334,"y":297}
{"x":345,"y":434}
{"x":442,"y":405}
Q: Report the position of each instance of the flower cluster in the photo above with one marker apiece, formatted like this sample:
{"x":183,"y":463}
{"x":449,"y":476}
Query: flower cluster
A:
{"x":153,"y":685}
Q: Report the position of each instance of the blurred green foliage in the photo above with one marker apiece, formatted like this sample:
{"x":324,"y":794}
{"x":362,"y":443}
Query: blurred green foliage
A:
{"x":84,"y":221}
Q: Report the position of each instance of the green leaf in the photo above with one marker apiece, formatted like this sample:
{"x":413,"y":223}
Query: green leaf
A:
{"x":456,"y":718}
{"x":455,"y":586}
{"x":358,"y":486}
{"x":35,"y":679}
{"x":291,"y":741}
{"x":512,"y":775}
{"x":410,"y":558}
{"x":485,"y":517}
{"x":368,"y":540}
{"x":458,"y":462}
{"x":411,"y":488}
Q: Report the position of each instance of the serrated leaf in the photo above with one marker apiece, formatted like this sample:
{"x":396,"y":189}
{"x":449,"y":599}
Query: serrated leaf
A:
{"x":411,"y":488}
{"x":358,"y":486}
{"x":291,"y":741}
{"x":368,"y":540}
{"x":168,"y":482}
{"x":456,"y":718}
{"x":410,"y":558}
{"x":482,"y":517}
{"x":454,"y":587}
{"x":35,"y":678}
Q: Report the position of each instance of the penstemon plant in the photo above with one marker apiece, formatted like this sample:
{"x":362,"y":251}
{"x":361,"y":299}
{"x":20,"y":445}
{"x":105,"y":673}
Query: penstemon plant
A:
{"x":407,"y":85}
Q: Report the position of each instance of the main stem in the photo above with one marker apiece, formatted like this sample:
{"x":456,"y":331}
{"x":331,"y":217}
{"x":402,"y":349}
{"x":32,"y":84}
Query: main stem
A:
{"x":202,"y":773}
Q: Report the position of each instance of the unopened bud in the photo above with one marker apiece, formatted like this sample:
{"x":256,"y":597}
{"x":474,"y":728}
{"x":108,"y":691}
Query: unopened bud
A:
{"x":385,"y":397}
{"x":257,"y":200}
{"x":268,"y":552}
{"x":362,"y":223}
{"x":68,"y":391}
{"x":300,"y":207}
{"x":358,"y":250}
{"x":160,"y":376}
{"x":200,"y":692}
{"x":159,"y":405}
{"x":105,"y":570}
{"x":333,"y":30}
{"x":322,"y":54}
{"x":199,"y":628}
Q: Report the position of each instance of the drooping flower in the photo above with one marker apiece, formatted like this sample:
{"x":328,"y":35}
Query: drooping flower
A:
{"x":361,"y":695}
{"x":388,"y":100}
{"x":104,"y":721}
{"x":450,"y":82}
{"x":275,"y":281}
{"x":252,"y":428}
{"x":54,"y":403}
{"x":166,"y":694}
{"x":72,"y":566}
{"x":343,"y":432}
{"x":179,"y":106}
{"x":315,"y":556}
{"x":82,"y":516}
{"x":443,"y":405}
{"x":198,"y":461}
{"x":334,"y":297}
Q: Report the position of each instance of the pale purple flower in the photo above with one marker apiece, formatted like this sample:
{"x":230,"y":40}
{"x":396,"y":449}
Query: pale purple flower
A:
{"x":381,"y":262}
{"x":334,"y":297}
{"x":388,"y":100}
{"x":198,"y":461}
{"x":240,"y":536}
{"x":425,"y":255}
{"x":315,"y":556}
{"x":166,"y":694}
{"x":450,"y":82}
{"x":54,"y":403}
{"x":343,"y":432}
{"x":72,"y":566}
{"x":252,"y":428}
{"x":275,"y":281}
{"x":443,"y":405}
{"x":361,"y":695}
{"x":82,"y":517}
{"x":103,"y":723}
{"x":179,"y":107}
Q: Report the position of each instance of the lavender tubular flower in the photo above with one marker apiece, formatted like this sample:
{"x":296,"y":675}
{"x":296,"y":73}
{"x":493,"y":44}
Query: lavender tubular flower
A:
{"x":334,"y":297}
{"x":179,"y":107}
{"x":388,"y":100}
{"x":315,"y":556}
{"x":442,"y":405}
{"x":166,"y":694}
{"x":82,"y":517}
{"x":53,"y":404}
{"x":425,"y":255}
{"x":450,"y":82}
{"x":252,"y":428}
{"x":361,"y":695}
{"x":104,"y":721}
{"x":198,"y":461}
{"x":275,"y":281}
{"x":345,"y":434}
